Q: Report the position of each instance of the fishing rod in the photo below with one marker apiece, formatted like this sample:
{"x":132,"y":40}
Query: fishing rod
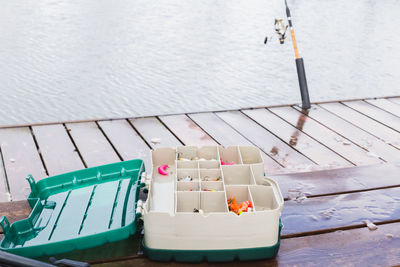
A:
{"x":280,"y":30}
{"x":301,"y":73}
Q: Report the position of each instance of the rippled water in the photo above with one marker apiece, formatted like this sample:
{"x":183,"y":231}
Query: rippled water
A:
{"x":83,"y":59}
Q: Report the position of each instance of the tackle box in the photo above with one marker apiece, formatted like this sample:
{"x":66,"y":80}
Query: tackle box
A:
{"x":186,"y":216}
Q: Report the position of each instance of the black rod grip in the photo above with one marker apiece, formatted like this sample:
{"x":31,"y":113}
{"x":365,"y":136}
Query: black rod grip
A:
{"x":301,"y":73}
{"x":9,"y":259}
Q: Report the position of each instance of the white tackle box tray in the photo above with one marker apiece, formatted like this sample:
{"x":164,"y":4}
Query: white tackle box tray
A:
{"x":186,"y":215}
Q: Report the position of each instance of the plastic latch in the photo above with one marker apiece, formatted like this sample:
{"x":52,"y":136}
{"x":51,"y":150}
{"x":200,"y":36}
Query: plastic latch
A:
{"x":145,"y":181}
{"x":143,"y":178}
{"x":5,"y":224}
{"x":32,"y":184}
{"x":139,"y":209}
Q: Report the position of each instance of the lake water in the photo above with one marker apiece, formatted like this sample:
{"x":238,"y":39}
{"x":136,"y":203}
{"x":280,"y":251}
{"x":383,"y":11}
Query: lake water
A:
{"x":85,"y":59}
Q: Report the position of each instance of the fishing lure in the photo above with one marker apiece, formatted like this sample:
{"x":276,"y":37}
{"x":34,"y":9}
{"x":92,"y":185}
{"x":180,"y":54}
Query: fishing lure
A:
{"x":163,"y":169}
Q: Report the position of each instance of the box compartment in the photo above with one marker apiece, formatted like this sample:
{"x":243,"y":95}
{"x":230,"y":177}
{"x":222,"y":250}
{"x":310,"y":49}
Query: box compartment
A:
{"x":213,"y":202}
{"x":188,"y":186}
{"x":229,"y":154}
{"x":196,"y":153}
{"x":218,"y":186}
{"x":208,"y":153}
{"x":263,"y":197}
{"x":211,"y":175}
{"x":237,"y":174}
{"x":192,"y":164}
{"x":184,"y":173}
{"x":187,"y":201}
{"x":186,"y":152}
{"x":239,"y":192}
{"x":209,"y":164}
{"x":250,"y":155}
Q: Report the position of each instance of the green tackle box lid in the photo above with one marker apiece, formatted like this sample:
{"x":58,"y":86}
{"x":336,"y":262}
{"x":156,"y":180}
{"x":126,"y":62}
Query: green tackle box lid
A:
{"x":77,"y":210}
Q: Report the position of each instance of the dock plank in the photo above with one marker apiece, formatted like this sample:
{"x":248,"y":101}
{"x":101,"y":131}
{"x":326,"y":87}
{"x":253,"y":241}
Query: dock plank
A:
{"x":385,"y":105}
{"x":15,"y":210}
{"x":296,"y":139}
{"x":126,"y":140}
{"x":91,"y":143}
{"x":395,"y":100}
{"x":150,"y":128}
{"x":328,"y":213}
{"x":338,"y":181}
{"x":355,"y":247}
{"x":329,"y":138}
{"x":375,"y":113}
{"x":377,"y":148}
{"x":186,"y":130}
{"x":20,"y":159}
{"x":4,"y":193}
{"x":369,"y":125}
{"x":58,"y":152}
{"x":266,"y":141}
{"x":225,"y":135}
{"x":339,"y":247}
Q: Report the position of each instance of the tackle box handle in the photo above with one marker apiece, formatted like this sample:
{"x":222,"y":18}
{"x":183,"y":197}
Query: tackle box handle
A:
{"x":5,"y":224}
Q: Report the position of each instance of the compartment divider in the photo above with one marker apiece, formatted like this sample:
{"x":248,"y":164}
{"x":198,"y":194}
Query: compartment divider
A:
{"x":252,"y":177}
{"x":176,"y":201}
{"x":176,"y":176}
{"x":240,"y":155}
{"x":218,"y":156}
{"x":251,"y":199}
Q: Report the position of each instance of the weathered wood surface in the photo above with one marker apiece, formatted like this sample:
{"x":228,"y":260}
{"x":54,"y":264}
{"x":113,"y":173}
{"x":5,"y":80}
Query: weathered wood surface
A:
{"x":310,"y":224}
{"x":296,"y":139}
{"x":331,"y":135}
{"x":187,"y":131}
{"x":385,"y":105}
{"x":57,"y":149}
{"x":395,"y":100}
{"x":4,"y":192}
{"x":126,"y":140}
{"x":21,"y":158}
{"x":375,"y":113}
{"x":324,"y":135}
{"x":356,"y":247}
{"x":267,"y":142}
{"x":92,"y":144}
{"x":325,"y":213}
{"x":318,"y":203}
{"x":225,"y":135}
{"x":375,"y":128}
{"x":338,"y":181}
{"x":376,"y":147}
{"x":154,"y":132}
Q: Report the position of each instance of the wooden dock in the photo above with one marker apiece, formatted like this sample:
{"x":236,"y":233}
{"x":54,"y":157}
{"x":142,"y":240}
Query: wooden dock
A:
{"x":337,"y":165}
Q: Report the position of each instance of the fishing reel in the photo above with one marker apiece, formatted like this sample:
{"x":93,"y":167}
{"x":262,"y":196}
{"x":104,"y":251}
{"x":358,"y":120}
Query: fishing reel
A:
{"x":280,"y":30}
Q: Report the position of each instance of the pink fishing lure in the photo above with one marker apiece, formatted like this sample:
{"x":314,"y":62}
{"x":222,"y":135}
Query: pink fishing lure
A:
{"x":227,"y":163}
{"x":163,"y":169}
